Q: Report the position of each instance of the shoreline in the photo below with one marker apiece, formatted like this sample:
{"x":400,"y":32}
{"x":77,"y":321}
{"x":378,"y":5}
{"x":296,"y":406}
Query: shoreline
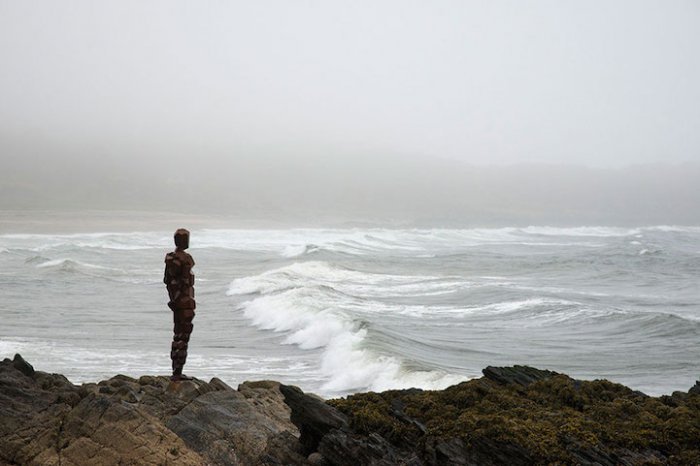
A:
{"x":73,"y":221}
{"x":511,"y":415}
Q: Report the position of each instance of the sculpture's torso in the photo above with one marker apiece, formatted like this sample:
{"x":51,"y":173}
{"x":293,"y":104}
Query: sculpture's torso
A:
{"x":179,"y":280}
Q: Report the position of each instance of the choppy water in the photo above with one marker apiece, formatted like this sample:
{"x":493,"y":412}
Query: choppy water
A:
{"x":337,"y":311}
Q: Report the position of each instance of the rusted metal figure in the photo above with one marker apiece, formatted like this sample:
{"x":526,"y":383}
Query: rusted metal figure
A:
{"x":179,"y":280}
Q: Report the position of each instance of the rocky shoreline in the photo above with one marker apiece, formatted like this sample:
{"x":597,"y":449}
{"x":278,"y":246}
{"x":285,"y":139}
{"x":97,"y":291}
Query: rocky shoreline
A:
{"x":511,"y":416}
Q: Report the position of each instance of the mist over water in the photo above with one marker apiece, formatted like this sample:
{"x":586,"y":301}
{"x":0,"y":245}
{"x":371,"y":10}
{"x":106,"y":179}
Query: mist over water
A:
{"x":342,"y":191}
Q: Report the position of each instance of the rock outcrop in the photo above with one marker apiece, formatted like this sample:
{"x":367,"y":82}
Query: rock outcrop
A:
{"x":516,"y":416}
{"x":45,"y":420}
{"x":522,"y":416}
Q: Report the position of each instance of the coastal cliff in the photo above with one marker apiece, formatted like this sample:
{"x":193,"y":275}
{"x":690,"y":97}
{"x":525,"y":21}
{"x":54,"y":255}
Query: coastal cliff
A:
{"x":515,"y":415}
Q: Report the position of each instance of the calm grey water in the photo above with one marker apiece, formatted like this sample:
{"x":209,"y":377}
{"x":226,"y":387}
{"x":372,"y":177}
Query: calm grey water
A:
{"x":343,"y":310}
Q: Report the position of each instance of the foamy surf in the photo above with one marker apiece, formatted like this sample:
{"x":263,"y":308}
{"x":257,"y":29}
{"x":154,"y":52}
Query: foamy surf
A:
{"x":316,"y":316}
{"x":317,"y":273}
{"x":67,"y":264}
{"x":340,"y":310}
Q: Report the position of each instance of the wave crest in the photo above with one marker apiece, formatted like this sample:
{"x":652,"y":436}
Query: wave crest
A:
{"x":315,"y":316}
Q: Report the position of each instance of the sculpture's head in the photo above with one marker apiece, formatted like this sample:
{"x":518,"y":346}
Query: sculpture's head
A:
{"x":182,"y":238}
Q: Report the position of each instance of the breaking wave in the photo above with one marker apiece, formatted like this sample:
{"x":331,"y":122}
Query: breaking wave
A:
{"x":341,"y":312}
{"x":299,"y":302}
{"x":69,"y":265}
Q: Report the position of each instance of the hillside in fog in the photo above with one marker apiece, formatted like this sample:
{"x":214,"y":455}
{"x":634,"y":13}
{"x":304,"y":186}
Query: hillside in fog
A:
{"x":327,"y":189}
{"x":324,"y":113}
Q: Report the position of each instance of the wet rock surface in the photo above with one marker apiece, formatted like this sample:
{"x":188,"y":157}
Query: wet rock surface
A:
{"x":516,"y":375}
{"x":46,"y":420}
{"x":517,"y":416}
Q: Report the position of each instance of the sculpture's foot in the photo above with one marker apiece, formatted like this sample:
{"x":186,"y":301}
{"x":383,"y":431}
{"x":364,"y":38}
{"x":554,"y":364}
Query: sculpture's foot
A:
{"x":179,"y":377}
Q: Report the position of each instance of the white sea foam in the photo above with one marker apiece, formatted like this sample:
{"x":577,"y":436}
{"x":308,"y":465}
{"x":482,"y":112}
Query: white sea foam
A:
{"x":311,"y":305}
{"x":68,"y":264}
{"x":514,"y":306}
{"x":319,"y":273}
{"x":37,"y":259}
{"x":556,"y":289}
{"x":674,"y":229}
{"x":118,"y":241}
{"x":595,"y":231}
{"x":312,"y":318}
{"x":299,"y":250}
{"x":92,"y":270}
{"x":351,"y":368}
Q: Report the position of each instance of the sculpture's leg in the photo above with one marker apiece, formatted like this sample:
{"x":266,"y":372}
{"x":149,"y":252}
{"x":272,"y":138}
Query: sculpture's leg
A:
{"x":181,"y":337}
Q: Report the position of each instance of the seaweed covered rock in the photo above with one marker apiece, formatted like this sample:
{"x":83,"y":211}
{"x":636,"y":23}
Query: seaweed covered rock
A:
{"x":521,"y":415}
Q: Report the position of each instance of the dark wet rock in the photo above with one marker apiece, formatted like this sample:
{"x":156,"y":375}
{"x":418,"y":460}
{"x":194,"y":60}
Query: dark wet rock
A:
{"x":344,"y":448}
{"x":23,"y":366}
{"x":486,"y":452}
{"x":316,"y":459}
{"x":313,"y":417}
{"x":283,"y":449}
{"x":326,"y":431}
{"x":218,"y":384}
{"x":516,"y":375}
{"x":695,"y":389}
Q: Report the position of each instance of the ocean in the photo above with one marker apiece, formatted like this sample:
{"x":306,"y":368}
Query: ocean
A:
{"x":336,"y":311}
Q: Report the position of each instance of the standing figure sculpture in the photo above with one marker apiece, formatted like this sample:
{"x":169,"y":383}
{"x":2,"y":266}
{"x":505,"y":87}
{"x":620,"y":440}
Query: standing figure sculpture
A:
{"x":179,"y":280}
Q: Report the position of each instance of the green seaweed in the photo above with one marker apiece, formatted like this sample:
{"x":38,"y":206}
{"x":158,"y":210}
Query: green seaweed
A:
{"x":550,"y":419}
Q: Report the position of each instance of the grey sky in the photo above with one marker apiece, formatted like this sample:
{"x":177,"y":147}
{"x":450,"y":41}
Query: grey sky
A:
{"x":452,"y":113}
{"x":598,"y":83}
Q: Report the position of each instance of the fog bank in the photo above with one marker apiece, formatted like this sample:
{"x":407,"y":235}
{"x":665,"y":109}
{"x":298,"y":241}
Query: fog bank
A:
{"x":339,"y":189}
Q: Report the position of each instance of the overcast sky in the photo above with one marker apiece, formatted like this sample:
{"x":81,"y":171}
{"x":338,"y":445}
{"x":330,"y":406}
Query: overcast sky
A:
{"x":422,"y":112}
{"x":598,"y":83}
